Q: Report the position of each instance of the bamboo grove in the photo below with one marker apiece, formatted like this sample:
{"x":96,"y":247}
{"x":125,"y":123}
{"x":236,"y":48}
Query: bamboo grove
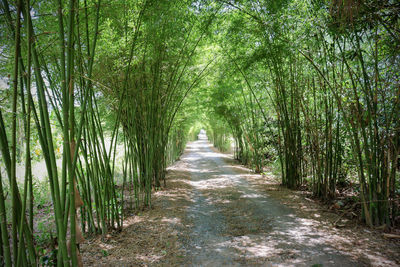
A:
{"x":317,"y":88}
{"x":63,"y":65}
{"x":107,"y":93}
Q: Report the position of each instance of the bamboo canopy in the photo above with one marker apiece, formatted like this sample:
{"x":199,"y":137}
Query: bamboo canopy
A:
{"x":106,"y":94}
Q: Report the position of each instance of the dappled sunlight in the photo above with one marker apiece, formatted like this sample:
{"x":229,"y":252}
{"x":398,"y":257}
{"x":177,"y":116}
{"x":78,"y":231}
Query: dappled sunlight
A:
{"x":171,"y":220}
{"x":213,"y":183}
{"x":252,"y":247}
{"x":147,"y":258}
{"x":198,"y":170}
{"x":235,"y":222}
{"x":193,"y":158}
{"x":209,"y":155}
{"x":148,"y":237}
{"x":251,"y":195}
{"x":212,"y":213}
{"x":106,"y":247}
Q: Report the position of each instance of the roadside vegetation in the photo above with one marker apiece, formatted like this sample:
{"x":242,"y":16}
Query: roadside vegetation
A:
{"x":99,"y":97}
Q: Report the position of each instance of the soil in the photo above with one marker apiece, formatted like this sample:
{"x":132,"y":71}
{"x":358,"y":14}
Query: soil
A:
{"x":215,"y":212}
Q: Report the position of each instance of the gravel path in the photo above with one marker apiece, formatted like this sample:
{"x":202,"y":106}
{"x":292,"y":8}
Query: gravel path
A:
{"x":236,"y":225}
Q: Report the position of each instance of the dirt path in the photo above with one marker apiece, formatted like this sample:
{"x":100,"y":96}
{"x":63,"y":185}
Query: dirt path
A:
{"x":234,"y":224}
{"x":212,"y":214}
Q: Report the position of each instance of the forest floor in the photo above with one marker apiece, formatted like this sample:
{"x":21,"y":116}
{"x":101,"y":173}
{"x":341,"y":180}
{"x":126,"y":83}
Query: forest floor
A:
{"x":215,"y":212}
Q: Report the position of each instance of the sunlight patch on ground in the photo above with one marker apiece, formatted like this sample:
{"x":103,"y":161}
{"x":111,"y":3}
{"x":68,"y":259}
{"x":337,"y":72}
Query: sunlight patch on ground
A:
{"x":215,"y":183}
{"x":171,"y":220}
{"x":147,"y":258}
{"x":199,"y":170}
{"x":209,"y":155}
{"x":251,"y":195}
{"x":106,"y":246}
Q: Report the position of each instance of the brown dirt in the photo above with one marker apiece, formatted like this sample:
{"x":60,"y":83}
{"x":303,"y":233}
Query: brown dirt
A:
{"x":150,"y":237}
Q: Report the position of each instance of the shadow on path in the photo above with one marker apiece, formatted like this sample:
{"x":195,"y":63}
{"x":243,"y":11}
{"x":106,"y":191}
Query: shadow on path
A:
{"x":235,"y":225}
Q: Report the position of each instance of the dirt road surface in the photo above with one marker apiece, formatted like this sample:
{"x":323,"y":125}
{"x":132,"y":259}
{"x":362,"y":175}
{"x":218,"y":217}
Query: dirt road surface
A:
{"x":234,"y":224}
{"x":211,"y":215}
